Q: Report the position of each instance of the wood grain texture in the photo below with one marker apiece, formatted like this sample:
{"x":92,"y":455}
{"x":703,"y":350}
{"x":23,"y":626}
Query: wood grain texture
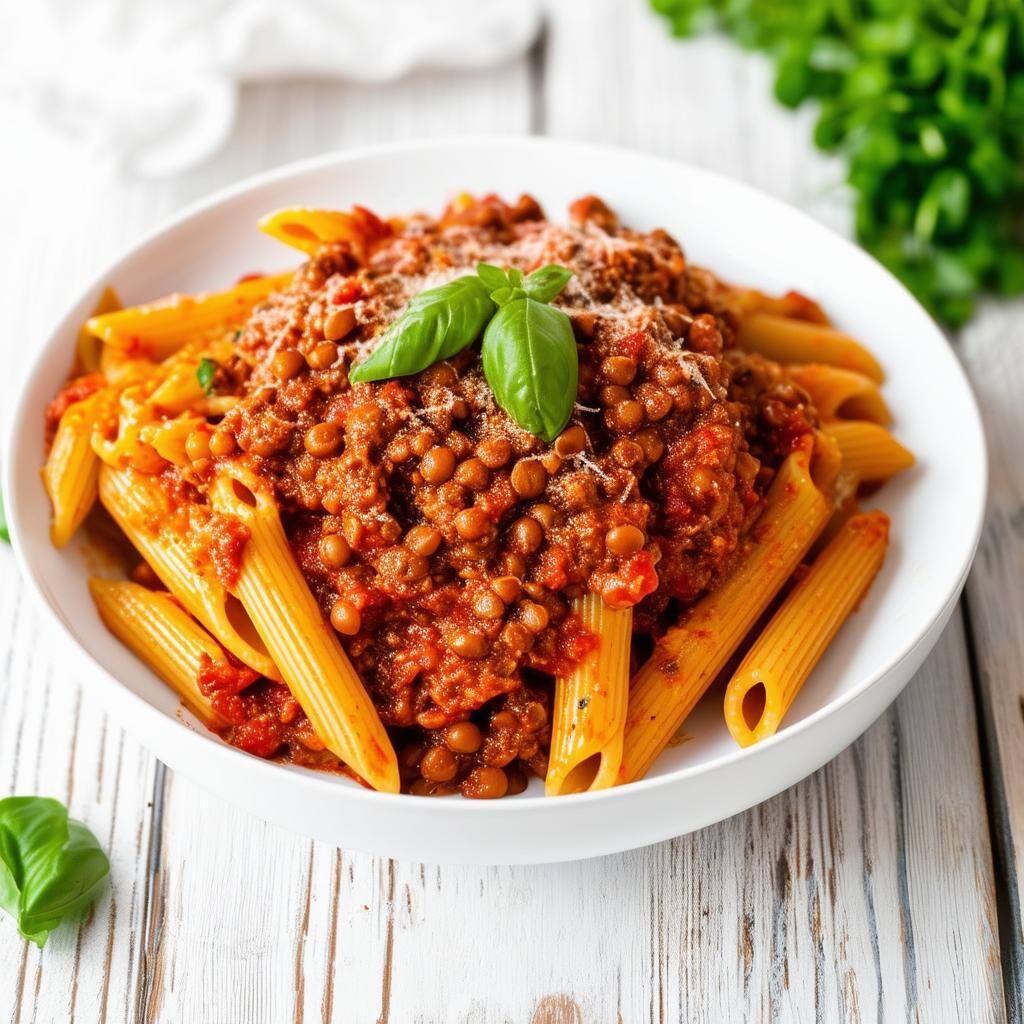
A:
{"x":865,"y":893}
{"x":995,"y":599}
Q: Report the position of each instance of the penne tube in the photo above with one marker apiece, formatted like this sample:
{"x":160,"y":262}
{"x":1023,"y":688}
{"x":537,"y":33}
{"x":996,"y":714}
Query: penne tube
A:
{"x":590,"y":705}
{"x":307,"y":229}
{"x":313,"y":663}
{"x":71,"y":473}
{"x":158,"y":329}
{"x":140,"y":506}
{"x":689,"y":656}
{"x":168,"y":438}
{"x":841,"y":394}
{"x":122,"y":369}
{"x":89,"y":349}
{"x":828,"y":462}
{"x":748,"y":301}
{"x":161,"y":634}
{"x":869,"y":451}
{"x":784,"y":655}
{"x":176,"y":384}
{"x":798,"y":341}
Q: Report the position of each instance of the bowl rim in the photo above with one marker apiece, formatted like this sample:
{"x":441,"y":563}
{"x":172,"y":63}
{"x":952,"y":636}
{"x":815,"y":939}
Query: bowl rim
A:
{"x":327,"y":784}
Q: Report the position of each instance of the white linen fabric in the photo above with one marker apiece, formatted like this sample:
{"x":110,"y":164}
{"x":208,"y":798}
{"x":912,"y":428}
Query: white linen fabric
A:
{"x":153,"y":84}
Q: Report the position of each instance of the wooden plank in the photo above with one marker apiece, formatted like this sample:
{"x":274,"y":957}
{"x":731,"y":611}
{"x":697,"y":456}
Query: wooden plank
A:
{"x":990,"y":348}
{"x":55,"y":742}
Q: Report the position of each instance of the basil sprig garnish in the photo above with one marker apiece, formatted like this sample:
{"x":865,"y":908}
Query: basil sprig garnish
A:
{"x":51,"y":867}
{"x":543,"y":284}
{"x":528,"y":351}
{"x":437,"y":324}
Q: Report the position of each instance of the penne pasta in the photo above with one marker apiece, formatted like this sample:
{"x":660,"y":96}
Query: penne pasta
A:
{"x":690,"y":655}
{"x":177,"y":388}
{"x":71,"y":473}
{"x":590,"y":705}
{"x":169,"y":437}
{"x":307,"y":229}
{"x":140,"y":506}
{"x":313,"y":663}
{"x":154,"y":626}
{"x":118,"y":436}
{"x":793,"y":304}
{"x":869,"y":451}
{"x":783,"y":656}
{"x":122,"y":369}
{"x":798,"y":341}
{"x":158,"y":329}
{"x":841,"y":394}
{"x":89,"y":349}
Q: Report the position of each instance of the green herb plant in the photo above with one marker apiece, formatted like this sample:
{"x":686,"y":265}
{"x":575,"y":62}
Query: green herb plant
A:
{"x":51,"y":867}
{"x":925,"y":99}
{"x":528,"y":348}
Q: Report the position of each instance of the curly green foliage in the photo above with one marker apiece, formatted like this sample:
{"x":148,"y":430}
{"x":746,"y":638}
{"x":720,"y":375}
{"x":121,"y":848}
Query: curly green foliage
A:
{"x":925,"y":99}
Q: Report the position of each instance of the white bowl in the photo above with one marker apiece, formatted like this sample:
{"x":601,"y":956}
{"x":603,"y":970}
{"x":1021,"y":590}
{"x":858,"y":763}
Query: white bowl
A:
{"x":936,"y":508}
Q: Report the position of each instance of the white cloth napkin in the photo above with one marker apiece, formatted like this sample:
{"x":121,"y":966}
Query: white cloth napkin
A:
{"x":153,"y":84}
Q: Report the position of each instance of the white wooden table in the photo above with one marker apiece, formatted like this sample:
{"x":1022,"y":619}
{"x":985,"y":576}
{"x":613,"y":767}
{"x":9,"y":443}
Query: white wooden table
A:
{"x":885,"y":887}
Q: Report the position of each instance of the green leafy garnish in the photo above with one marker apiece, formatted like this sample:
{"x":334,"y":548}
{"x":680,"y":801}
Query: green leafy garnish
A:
{"x":5,"y":533}
{"x":530,"y":362}
{"x":508,"y":285}
{"x":51,"y":867}
{"x":529,"y":351}
{"x":925,"y":100}
{"x":437,"y":324}
{"x":205,"y":372}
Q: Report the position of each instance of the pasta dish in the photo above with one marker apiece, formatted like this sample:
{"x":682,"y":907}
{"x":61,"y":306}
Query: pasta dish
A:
{"x":465,"y":500}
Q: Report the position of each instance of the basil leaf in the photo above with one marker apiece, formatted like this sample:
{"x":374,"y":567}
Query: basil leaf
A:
{"x":546,"y":282}
{"x":5,"y":534}
{"x":493,"y":277}
{"x":530,"y":362}
{"x":205,"y":372}
{"x":436,"y":325}
{"x":50,"y":867}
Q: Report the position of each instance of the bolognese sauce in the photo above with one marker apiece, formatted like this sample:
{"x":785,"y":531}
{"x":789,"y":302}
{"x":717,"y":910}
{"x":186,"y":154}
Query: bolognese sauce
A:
{"x":444,"y":543}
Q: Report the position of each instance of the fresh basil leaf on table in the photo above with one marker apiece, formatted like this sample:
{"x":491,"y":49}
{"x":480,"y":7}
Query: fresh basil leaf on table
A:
{"x":205,"y":372}
{"x":5,"y":534}
{"x":530,"y":362}
{"x":436,"y":325}
{"x":51,"y":867}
